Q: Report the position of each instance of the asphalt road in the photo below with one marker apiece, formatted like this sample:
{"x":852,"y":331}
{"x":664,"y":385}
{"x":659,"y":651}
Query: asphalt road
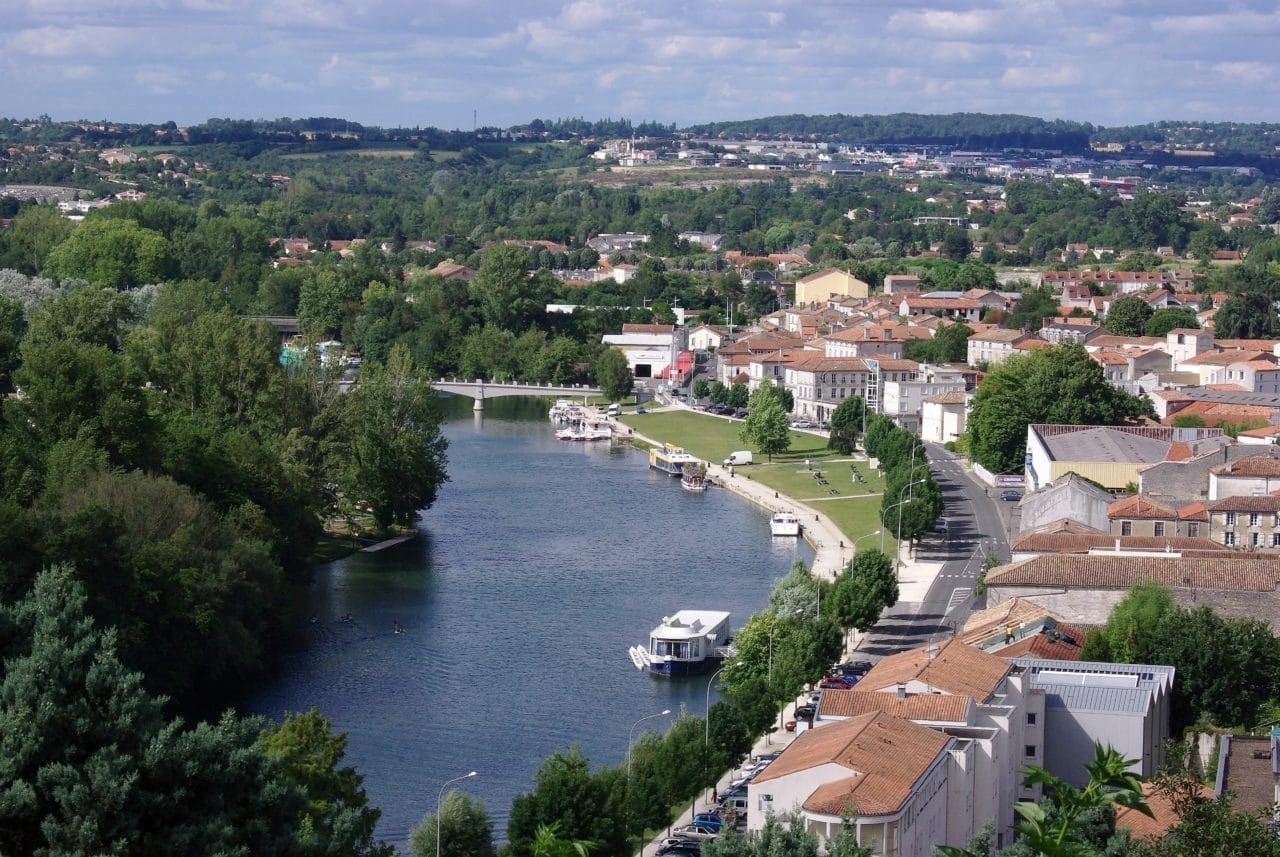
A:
{"x":976,"y":527}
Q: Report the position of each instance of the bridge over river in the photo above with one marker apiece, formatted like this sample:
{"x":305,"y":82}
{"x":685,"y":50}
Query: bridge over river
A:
{"x":481,"y":390}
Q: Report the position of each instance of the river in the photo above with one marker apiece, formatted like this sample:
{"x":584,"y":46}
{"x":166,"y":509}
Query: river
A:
{"x":539,"y":565}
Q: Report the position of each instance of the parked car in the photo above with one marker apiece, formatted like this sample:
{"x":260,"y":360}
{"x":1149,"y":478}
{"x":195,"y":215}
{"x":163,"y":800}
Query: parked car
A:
{"x":855,"y":668}
{"x":641,"y":410}
{"x":837,"y":682}
{"x":803,"y":424}
{"x":695,"y":831}
{"x":684,"y":849}
{"x":805,"y":712}
{"x":710,"y":819}
{"x":741,"y":413}
{"x":1011,"y":494}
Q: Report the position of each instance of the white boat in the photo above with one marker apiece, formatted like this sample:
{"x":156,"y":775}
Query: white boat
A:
{"x":784,"y":524}
{"x":670,"y":459}
{"x":693,"y":477}
{"x":584,"y":434}
{"x":565,"y":410}
{"x":686,"y":643}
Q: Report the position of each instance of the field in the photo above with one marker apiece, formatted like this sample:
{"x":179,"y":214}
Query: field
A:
{"x":853,"y":506}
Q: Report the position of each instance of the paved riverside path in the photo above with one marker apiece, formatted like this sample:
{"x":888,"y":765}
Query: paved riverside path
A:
{"x":831,"y":549}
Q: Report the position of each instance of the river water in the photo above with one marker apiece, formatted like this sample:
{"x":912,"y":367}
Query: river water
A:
{"x":540,"y":564}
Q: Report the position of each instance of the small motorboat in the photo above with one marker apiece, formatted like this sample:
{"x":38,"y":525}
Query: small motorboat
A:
{"x":784,"y":524}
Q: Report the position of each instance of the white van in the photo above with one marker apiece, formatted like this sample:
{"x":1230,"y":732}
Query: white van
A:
{"x":615,"y":410}
{"x":742,"y":456}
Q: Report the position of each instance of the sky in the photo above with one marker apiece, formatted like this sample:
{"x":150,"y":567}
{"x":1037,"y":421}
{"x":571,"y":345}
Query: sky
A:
{"x":435,"y":62}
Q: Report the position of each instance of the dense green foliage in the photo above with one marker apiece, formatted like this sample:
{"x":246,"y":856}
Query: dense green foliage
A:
{"x":912,"y":501}
{"x":766,"y":426}
{"x":1225,"y":684}
{"x":846,"y":425}
{"x":464,"y":825}
{"x":1062,"y":384}
{"x":90,"y":764}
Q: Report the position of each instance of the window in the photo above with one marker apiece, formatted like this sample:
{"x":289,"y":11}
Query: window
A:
{"x":1231,"y":519}
{"x":1126,"y":528}
{"x":1031,"y":718}
{"x":1253,"y":519}
{"x":1193,"y":530}
{"x":1275,"y":540}
{"x":1159,"y":528}
{"x":1255,"y":539}
{"x":1229,"y":539}
{"x":1029,"y":751}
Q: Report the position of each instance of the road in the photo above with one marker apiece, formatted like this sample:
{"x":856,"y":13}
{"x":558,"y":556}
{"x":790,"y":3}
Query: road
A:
{"x":976,"y":527}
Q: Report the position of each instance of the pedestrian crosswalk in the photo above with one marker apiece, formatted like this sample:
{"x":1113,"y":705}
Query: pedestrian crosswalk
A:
{"x":959,"y":596}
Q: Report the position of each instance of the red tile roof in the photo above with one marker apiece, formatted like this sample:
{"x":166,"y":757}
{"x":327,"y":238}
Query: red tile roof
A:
{"x":1237,"y":573}
{"x":951,"y":667}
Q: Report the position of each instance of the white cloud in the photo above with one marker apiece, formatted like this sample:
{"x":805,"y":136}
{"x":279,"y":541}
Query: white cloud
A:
{"x":942,"y":23}
{"x":1039,"y":77}
{"x":1250,"y":72}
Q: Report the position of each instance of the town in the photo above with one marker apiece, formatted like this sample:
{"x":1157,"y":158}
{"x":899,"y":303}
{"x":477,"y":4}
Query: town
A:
{"x":1046,"y":373}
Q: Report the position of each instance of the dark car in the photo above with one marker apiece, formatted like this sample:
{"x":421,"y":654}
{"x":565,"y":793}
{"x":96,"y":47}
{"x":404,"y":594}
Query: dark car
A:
{"x":805,"y":712}
{"x":854,"y":668}
{"x":742,"y":413}
{"x":1010,"y":494}
{"x":687,"y":849}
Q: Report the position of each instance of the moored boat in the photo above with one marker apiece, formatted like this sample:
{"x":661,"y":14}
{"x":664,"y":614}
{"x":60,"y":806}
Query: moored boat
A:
{"x":688,"y":642}
{"x":670,"y":459}
{"x":784,"y":524}
{"x":693,"y":477}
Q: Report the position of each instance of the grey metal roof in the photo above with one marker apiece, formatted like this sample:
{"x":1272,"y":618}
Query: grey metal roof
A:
{"x":1105,"y":444}
{"x":1093,"y":685}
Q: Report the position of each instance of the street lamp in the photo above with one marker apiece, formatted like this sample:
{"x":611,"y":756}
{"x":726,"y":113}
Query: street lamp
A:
{"x":440,"y":798}
{"x":906,"y":488}
{"x":664,"y":712}
{"x":854,"y":544}
{"x":706,"y":726}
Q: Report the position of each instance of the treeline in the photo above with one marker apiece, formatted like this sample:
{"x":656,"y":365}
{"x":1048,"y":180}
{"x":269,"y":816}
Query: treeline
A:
{"x":959,"y":130}
{"x":1248,"y":138}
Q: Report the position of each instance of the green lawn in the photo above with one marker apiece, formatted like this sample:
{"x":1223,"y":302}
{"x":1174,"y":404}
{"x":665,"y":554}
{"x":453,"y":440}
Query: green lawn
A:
{"x":854,"y":507}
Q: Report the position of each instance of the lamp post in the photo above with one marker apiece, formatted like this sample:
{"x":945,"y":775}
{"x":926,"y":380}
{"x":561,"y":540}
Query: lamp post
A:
{"x":440,"y":799}
{"x":706,"y":726}
{"x":664,"y":712}
{"x":854,"y":544}
{"x":906,"y":488}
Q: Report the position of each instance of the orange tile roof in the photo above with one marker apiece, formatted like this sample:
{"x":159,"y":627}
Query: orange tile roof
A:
{"x":1246,"y":503}
{"x":1250,"y":466}
{"x":1143,"y":508}
{"x":1163,"y":817}
{"x":936,"y":707}
{"x":1237,"y":573}
{"x":885,"y":757}
{"x":952,"y":668}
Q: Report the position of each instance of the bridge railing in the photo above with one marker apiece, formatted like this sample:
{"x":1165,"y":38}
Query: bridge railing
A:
{"x":529,"y":385}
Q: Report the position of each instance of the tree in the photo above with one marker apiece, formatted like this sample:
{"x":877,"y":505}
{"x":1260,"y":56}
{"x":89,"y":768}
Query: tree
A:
{"x":1207,"y":826}
{"x":1251,"y":315}
{"x":719,"y":393}
{"x":1032,"y":308}
{"x":91,"y":765}
{"x":864,"y":589}
{"x":507,"y":296}
{"x":1064,"y":822}
{"x":465,"y":829}
{"x":1172,"y":318}
{"x":766,"y":425}
{"x":738,"y":396}
{"x":956,"y":244}
{"x":614,"y":375}
{"x":1128,"y":316}
{"x":1130,"y":633}
{"x":391,"y":454}
{"x":1062,"y":384}
{"x":701,"y":389}
{"x":337,"y":818}
{"x":846,"y":425}
{"x":572,"y":802}
{"x":116,"y":254}
{"x":36,"y":232}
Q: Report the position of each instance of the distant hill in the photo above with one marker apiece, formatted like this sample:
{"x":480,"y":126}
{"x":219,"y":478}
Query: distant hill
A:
{"x":962,"y":130}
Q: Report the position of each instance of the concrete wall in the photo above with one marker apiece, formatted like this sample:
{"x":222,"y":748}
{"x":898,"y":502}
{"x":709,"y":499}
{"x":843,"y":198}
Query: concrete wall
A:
{"x":1063,"y":501}
{"x":1093,"y":606}
{"x":1074,"y":734}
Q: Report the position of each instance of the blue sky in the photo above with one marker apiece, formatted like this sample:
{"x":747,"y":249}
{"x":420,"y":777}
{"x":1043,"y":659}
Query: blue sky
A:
{"x":432,"y":62}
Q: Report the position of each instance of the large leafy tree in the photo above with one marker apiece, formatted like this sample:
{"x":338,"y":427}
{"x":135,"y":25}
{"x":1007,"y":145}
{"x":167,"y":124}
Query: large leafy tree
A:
{"x":1171,"y":318}
{"x":846,"y":425}
{"x":390,"y":453}
{"x":1249,"y":315}
{"x":507,"y":296}
{"x":566,"y":796}
{"x":117,"y":254}
{"x":1128,"y":316}
{"x":1033,"y":306}
{"x":766,"y":425}
{"x":1062,"y":384}
{"x":862,"y":591}
{"x":614,"y":375}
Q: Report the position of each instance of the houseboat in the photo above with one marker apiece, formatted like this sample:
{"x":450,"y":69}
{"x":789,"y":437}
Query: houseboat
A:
{"x":670,"y":459}
{"x":693,"y":477}
{"x":689,"y":642}
{"x":784,"y":524}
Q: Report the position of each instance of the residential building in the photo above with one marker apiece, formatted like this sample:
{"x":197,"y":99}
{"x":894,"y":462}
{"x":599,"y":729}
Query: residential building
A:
{"x":943,"y":417}
{"x":651,"y":349}
{"x":1125,"y":706}
{"x":704,"y":337}
{"x":1187,"y":476}
{"x":1139,"y":515}
{"x":1254,"y":474}
{"x":957,"y":308}
{"x":887,"y":775}
{"x":897,"y":284}
{"x":1070,"y":498}
{"x":819,"y":384}
{"x":820,"y":286}
{"x":1246,"y":522}
{"x":995,"y":346}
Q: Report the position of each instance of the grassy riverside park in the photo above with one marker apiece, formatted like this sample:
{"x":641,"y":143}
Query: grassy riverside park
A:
{"x":854,"y":507}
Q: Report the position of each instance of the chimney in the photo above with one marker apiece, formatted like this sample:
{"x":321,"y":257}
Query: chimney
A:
{"x":902,"y":691}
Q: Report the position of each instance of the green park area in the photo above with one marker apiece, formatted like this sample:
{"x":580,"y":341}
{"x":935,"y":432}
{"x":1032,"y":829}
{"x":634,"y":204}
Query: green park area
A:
{"x":853,"y":506}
